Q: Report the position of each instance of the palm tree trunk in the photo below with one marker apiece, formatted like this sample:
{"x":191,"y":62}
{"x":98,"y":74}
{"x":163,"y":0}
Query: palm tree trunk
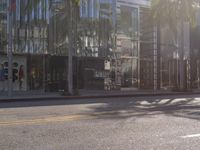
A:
{"x":10,"y":75}
{"x":182,"y":57}
{"x":70,"y":49}
{"x":158,"y":55}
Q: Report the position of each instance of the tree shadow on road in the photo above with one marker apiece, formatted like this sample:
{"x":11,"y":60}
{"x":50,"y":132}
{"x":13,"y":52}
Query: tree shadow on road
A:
{"x":148,"y":108}
{"x":121,"y":108}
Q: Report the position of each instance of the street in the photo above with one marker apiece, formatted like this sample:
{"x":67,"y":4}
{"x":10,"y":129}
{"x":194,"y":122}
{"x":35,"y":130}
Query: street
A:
{"x":139,"y":123}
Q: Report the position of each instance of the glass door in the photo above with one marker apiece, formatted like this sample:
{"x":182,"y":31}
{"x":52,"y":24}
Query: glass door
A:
{"x":129,"y":72}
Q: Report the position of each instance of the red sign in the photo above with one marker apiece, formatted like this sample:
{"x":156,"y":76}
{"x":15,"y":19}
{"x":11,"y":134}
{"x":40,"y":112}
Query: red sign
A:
{"x":13,"y":6}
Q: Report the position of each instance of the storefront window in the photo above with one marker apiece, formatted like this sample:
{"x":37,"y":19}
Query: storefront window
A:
{"x":129,"y":21}
{"x":128,"y":37}
{"x":129,"y":72}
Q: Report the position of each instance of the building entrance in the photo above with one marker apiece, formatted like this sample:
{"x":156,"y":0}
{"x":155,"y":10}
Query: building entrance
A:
{"x":129,"y":73}
{"x":36,"y":72}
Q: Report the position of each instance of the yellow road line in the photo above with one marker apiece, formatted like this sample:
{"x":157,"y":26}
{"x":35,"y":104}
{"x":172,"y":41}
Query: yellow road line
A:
{"x":55,"y":119}
{"x":46,"y":120}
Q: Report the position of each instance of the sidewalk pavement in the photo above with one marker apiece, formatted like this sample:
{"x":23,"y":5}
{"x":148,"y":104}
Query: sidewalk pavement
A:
{"x":86,"y":94}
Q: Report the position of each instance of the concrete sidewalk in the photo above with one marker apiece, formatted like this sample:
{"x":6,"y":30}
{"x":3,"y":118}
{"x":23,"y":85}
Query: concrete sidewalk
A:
{"x":23,"y":95}
{"x":86,"y":94}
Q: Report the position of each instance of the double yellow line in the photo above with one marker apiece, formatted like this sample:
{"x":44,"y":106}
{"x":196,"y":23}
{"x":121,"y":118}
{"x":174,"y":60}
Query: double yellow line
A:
{"x":64,"y":118}
{"x":45,"y":120}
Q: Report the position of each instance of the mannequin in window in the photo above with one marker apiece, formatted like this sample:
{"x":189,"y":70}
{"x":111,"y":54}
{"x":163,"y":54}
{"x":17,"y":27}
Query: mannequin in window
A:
{"x":21,"y":76}
{"x":2,"y":77}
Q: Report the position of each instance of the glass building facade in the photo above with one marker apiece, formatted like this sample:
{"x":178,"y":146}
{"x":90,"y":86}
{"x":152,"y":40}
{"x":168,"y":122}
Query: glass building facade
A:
{"x":110,"y":46}
{"x":128,"y":44}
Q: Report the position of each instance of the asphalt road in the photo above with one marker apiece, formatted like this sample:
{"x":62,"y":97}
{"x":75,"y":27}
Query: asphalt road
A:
{"x":144,"y":123}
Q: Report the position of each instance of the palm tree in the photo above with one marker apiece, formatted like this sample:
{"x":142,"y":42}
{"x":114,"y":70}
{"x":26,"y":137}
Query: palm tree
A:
{"x":72,"y":24}
{"x":68,"y":30}
{"x":174,"y":13}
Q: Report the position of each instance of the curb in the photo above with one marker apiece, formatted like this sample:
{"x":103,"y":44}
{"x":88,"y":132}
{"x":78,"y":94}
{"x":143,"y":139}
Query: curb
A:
{"x":27,"y":99}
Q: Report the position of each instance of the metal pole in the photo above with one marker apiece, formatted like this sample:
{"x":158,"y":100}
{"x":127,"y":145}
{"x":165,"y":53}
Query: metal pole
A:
{"x":44,"y":64}
{"x":169,"y":74}
{"x":177,"y":72}
{"x":198,"y":78}
{"x":9,"y":32}
{"x":161,"y":72}
{"x":139,"y":49}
